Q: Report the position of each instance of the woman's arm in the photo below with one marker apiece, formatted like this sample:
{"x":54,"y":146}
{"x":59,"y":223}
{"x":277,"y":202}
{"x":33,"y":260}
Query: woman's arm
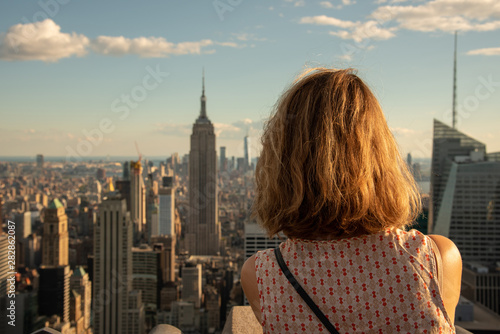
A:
{"x":452,"y":273}
{"x":249,"y":285}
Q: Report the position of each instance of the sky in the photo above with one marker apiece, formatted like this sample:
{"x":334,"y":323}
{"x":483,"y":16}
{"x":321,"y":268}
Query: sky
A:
{"x":92,"y":78}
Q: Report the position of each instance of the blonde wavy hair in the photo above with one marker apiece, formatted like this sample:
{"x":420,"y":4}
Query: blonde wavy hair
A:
{"x":330,"y":166}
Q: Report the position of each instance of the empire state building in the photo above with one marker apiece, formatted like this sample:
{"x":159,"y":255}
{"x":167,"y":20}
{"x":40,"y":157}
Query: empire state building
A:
{"x":203,"y":229}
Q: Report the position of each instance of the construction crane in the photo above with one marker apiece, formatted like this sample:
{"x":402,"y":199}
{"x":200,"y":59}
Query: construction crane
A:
{"x":136,"y":165}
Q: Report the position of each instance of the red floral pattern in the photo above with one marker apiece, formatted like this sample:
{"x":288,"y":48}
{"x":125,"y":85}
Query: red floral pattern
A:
{"x":377,"y":283}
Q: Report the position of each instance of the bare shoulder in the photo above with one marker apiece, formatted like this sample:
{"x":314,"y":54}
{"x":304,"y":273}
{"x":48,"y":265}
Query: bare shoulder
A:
{"x":248,"y":270}
{"x":449,"y":251}
{"x":452,"y":272}
{"x":249,"y":285}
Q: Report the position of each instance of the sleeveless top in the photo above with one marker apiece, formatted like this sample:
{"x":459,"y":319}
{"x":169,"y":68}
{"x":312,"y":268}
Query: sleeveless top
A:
{"x":379,"y":283}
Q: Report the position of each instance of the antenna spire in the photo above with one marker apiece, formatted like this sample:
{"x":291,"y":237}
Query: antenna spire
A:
{"x":454,"y":120}
{"x":203,"y":82}
{"x":203,"y":111}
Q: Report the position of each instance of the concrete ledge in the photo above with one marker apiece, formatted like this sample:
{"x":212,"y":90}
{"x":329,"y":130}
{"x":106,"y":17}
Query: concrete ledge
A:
{"x":241,"y":320}
{"x":165,"y":329}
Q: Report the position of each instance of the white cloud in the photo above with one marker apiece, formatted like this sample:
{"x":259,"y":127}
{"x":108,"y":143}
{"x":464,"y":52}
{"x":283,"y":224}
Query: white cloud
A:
{"x":44,"y":41}
{"x":444,"y":15}
{"x":365,"y":30}
{"x":297,"y":3}
{"x":146,"y":47}
{"x":174,"y":129}
{"x":431,"y":16}
{"x":326,"y":4}
{"x":243,"y":36}
{"x":327,"y":21}
{"x":356,"y":31}
{"x":485,"y":52}
{"x":403,"y":131}
{"x":41,"y":41}
{"x":348,"y":2}
{"x":391,"y":1}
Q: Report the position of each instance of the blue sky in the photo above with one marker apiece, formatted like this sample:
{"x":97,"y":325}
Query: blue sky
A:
{"x":89,"y":78}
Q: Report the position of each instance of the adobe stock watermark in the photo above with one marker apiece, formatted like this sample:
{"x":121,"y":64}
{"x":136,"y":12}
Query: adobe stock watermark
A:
{"x":223,"y":6}
{"x":49,"y":8}
{"x":366,"y":33}
{"x":483,"y":91}
{"x":121,"y":106}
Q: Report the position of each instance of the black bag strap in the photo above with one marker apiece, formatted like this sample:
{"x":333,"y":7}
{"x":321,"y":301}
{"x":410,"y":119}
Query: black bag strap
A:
{"x":321,"y":316}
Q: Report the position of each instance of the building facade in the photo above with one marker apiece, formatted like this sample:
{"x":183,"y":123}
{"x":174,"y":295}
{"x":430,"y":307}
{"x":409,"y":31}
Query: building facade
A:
{"x":203,"y":229}
{"x":191,"y":285}
{"x":465,"y":193}
{"x":137,"y":198}
{"x":166,"y":212}
{"x":55,"y":235}
{"x":113,"y":270}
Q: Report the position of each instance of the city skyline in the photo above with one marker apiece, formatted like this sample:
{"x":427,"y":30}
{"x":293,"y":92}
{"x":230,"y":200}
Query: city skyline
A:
{"x":53,"y":100}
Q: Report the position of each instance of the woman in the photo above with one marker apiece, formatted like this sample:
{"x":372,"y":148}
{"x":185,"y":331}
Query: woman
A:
{"x":331,"y":179}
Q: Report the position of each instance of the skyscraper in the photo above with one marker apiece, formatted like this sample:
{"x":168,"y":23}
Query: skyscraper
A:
{"x":53,"y":294}
{"x":126,"y":171}
{"x":4,"y":263}
{"x":248,"y":157}
{"x":39,"y":161}
{"x":80,"y":283}
{"x":465,"y":192}
{"x":191,"y":284}
{"x":137,"y":197}
{"x":222,"y":163}
{"x":203,"y":229}
{"x":147,"y":275}
{"x":23,"y":222}
{"x":166,"y":210}
{"x":113,"y":270}
{"x":55,"y":235}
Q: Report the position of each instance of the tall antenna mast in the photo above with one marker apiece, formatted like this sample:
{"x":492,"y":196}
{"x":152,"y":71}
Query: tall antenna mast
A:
{"x":454,"y":121}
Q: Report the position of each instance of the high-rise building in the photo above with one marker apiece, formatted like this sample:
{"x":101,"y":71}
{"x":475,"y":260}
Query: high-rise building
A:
{"x":212,"y":307}
{"x":126,"y":171}
{"x":146,"y":275}
{"x":137,"y":197}
{"x":75,"y":312}
{"x":55,"y":235}
{"x":54,"y":286}
{"x":80,"y":283}
{"x":123,"y":187}
{"x":481,"y":284}
{"x":203,"y":228}
{"x":4,"y":263}
{"x":223,"y":162}
{"x":191,"y":284}
{"x":166,"y":246}
{"x":39,"y":161}
{"x":465,"y":191}
{"x":248,"y":156}
{"x":23,"y":224}
{"x":166,"y":212}
{"x":101,"y":174}
{"x":256,"y":239}
{"x":53,"y":292}
{"x":112,"y":278}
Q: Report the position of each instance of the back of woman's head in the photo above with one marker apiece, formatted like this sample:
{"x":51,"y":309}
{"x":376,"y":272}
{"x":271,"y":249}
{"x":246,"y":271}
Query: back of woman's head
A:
{"x":329,"y":165}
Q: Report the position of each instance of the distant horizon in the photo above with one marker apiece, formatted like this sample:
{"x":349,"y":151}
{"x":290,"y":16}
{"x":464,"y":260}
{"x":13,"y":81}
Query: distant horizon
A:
{"x":29,"y":158}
